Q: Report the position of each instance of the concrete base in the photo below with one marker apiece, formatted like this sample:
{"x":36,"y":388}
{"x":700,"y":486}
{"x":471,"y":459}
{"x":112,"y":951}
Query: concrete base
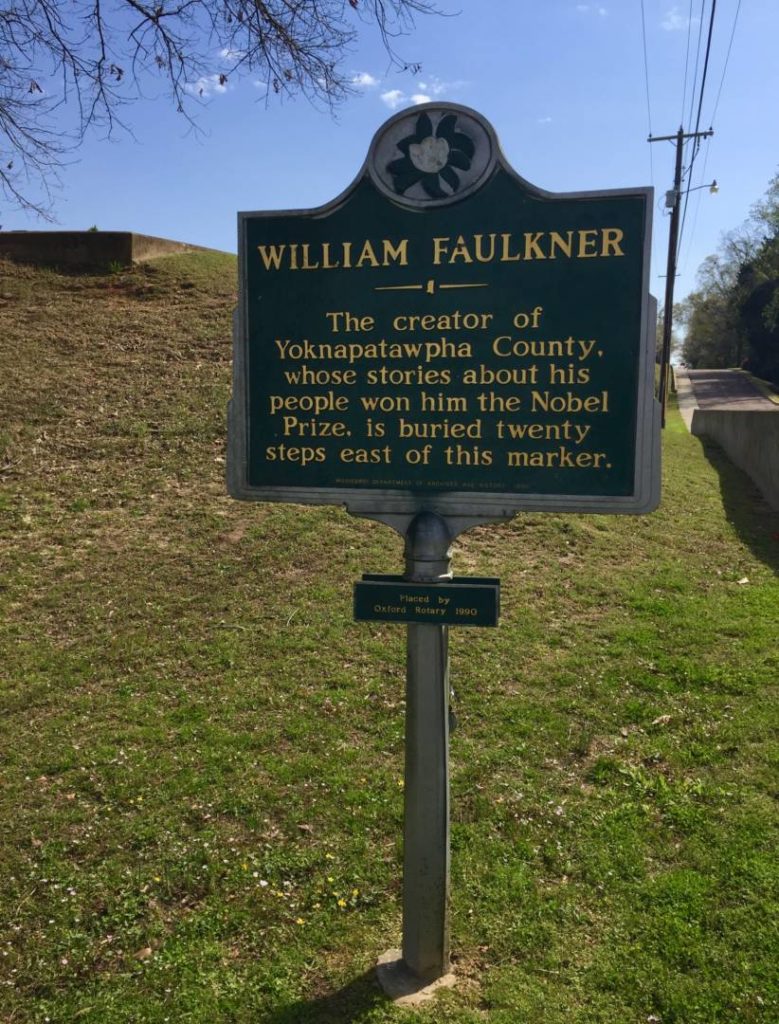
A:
{"x":403,"y":987}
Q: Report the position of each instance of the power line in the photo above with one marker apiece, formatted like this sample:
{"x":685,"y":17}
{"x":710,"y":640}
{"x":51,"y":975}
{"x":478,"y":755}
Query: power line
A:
{"x":696,"y":134}
{"x":727,"y":58}
{"x":705,"y":67}
{"x":713,"y":116}
{"x":696,"y":144}
{"x":686,"y":61}
{"x":698,"y":198}
{"x":646,"y":82}
{"x":697,"y":58}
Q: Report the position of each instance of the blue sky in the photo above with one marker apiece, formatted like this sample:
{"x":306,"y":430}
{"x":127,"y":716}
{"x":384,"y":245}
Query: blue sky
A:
{"x":563,"y":84}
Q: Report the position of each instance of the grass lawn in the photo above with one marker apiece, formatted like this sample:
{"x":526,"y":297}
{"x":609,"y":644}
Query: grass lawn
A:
{"x":201,"y":753}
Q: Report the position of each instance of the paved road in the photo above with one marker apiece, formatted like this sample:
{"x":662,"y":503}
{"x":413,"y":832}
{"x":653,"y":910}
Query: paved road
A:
{"x":726,"y":389}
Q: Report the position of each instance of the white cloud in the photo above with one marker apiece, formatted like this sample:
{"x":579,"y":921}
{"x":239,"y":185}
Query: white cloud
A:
{"x":435,"y":86}
{"x":364,"y":79}
{"x":544,"y":120}
{"x":676,"y":21}
{"x":231,"y":55}
{"x":586,"y":8}
{"x":394,"y":98}
{"x":428,"y":90}
{"x":207,"y":86}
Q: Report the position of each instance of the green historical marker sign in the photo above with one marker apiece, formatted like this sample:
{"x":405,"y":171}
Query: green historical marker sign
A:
{"x":461,"y":601}
{"x":445,"y":335}
{"x":441,"y":346}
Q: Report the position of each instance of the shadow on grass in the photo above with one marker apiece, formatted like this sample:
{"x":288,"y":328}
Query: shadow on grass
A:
{"x":349,"y":1004}
{"x":756,"y":523}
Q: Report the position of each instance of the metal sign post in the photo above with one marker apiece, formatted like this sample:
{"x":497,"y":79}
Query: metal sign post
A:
{"x":426,"y":820}
{"x":426,"y":594}
{"x":441,"y":346}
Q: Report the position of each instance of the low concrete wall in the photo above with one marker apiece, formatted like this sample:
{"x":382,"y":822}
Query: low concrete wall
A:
{"x":98,"y":249}
{"x":751,"y":441}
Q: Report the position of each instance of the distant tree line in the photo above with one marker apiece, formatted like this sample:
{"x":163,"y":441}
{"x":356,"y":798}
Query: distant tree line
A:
{"x":732,"y":319}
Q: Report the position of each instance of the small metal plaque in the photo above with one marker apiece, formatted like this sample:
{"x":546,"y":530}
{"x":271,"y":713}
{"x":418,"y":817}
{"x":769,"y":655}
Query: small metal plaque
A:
{"x":462,"y":601}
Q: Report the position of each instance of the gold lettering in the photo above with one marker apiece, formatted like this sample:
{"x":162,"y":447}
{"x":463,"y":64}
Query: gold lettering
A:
{"x":497,"y":348}
{"x":367,"y":255}
{"x":326,"y":264}
{"x":587,"y":244}
{"x":506,"y":256}
{"x":562,"y":458}
{"x":480,"y":255}
{"x":271,"y":255}
{"x":306,"y":265}
{"x":556,"y":241}
{"x":531,"y":243}
{"x":440,"y":248}
{"x":397,"y":253}
{"x":480,"y":248}
{"x":460,"y":251}
{"x":611,"y":239}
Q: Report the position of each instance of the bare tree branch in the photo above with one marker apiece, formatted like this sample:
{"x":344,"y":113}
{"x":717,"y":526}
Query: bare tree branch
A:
{"x":93,"y":57}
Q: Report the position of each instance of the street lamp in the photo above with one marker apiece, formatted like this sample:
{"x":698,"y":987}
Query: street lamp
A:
{"x":672,"y":196}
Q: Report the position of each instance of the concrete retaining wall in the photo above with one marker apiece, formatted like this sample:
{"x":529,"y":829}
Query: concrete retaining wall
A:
{"x":96,"y":249}
{"x":751,"y":441}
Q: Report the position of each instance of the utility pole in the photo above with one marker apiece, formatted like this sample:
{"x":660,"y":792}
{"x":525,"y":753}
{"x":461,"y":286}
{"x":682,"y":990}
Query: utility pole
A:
{"x":673,"y":244}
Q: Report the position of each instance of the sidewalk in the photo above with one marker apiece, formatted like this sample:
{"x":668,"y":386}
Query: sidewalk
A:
{"x":685,"y":395}
{"x":727,"y":390}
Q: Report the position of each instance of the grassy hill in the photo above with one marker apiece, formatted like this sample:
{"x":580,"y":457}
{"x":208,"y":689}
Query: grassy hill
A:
{"x":202,"y":754}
